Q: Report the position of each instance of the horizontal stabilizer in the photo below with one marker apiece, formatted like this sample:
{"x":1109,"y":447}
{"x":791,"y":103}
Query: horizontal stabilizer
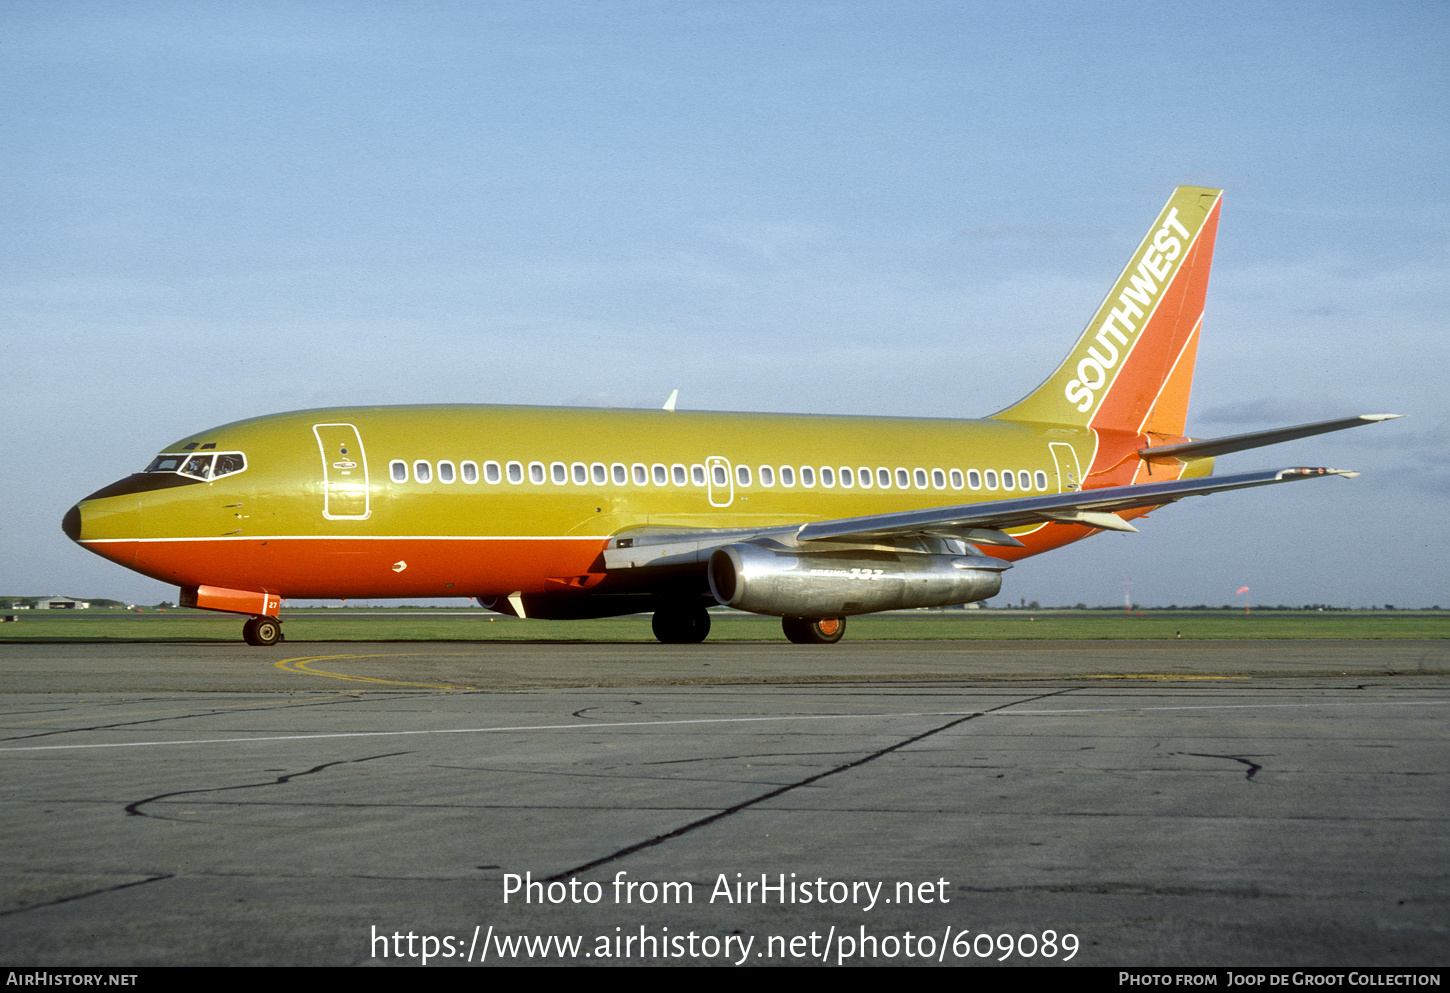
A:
{"x":1191,"y":450}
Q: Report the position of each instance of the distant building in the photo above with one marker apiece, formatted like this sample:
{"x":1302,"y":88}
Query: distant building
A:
{"x":61,"y":603}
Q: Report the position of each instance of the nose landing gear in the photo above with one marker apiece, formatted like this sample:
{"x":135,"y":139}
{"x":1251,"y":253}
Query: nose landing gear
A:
{"x":262,"y":631}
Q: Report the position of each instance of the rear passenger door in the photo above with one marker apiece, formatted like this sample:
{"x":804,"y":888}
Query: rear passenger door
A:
{"x":1069,"y":476}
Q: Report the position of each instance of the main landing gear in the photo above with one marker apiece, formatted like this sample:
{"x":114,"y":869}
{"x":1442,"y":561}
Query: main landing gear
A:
{"x":681,"y":624}
{"x":689,"y":623}
{"x":805,"y":631}
{"x":262,"y":631}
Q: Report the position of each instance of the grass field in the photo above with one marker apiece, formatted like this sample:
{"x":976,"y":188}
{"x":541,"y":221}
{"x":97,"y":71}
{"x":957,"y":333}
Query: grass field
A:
{"x":472,"y":625}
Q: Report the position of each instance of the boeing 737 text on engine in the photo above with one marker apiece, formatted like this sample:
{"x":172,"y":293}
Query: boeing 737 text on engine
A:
{"x":572,"y":513}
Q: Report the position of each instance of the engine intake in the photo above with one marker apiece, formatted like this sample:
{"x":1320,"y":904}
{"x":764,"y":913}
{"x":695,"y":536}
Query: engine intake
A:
{"x":792,"y":583}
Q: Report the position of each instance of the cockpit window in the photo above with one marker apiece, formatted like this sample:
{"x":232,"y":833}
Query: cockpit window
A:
{"x":166,"y":463}
{"x":228,"y":463}
{"x":198,"y":466}
{"x":204,"y":467}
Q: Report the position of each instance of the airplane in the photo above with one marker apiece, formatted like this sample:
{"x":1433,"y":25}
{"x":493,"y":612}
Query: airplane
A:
{"x":571,"y":513}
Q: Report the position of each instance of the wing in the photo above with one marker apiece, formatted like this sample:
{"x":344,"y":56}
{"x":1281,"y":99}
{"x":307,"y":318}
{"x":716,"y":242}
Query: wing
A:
{"x":977,"y":523}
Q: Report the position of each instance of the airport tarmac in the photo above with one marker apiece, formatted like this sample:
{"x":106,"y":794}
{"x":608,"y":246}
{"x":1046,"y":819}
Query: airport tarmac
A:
{"x":1180,"y":803}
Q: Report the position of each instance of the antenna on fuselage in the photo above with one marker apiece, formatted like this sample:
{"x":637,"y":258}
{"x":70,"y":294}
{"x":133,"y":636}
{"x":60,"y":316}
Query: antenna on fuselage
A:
{"x":670,"y":403}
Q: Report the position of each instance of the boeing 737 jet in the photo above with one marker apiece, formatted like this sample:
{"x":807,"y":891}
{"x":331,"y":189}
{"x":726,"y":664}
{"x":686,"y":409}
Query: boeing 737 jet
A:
{"x":572,"y":513}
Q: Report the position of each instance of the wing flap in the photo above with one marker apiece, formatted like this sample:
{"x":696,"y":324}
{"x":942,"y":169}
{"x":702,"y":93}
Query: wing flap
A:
{"x":1106,"y":520}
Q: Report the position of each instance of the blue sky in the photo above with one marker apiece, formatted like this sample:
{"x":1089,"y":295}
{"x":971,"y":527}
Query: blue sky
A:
{"x":216,"y":211}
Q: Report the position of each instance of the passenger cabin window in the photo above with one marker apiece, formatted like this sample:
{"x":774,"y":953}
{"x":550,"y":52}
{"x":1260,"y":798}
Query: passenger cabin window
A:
{"x":808,"y":476}
{"x":445,"y":472}
{"x":469,"y":472}
{"x":516,"y":472}
{"x":721,"y":477}
{"x":828,"y":476}
{"x":423,"y":472}
{"x":621,"y":473}
{"x":536,"y":473}
{"x":491,"y":472}
{"x":956,"y":479}
{"x":939,"y":479}
{"x":1024,"y":479}
{"x":1007,"y":481}
{"x":974,"y":479}
{"x":787,"y":476}
{"x":864,"y":474}
{"x":641,"y":474}
{"x":697,"y":474}
{"x":848,"y":478}
{"x":920,"y":475}
{"x":883,"y":478}
{"x":903,"y":479}
{"x":991,"y":479}
{"x":598,"y":473}
{"x":681,"y":475}
{"x":560,"y":473}
{"x":581,"y":473}
{"x":767,"y":476}
{"x":661,"y":474}
{"x":1041,"y":480}
{"x":742,"y":475}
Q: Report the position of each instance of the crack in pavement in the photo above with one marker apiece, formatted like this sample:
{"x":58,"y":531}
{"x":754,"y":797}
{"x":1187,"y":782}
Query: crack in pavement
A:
{"x":719,"y":815}
{"x":82,"y":896}
{"x":1253,"y":766}
{"x":584,"y":710}
{"x":134,"y":809}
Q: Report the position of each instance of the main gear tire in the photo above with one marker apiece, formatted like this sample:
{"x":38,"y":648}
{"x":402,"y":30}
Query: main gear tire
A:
{"x":813,"y":631}
{"x":681,"y":625}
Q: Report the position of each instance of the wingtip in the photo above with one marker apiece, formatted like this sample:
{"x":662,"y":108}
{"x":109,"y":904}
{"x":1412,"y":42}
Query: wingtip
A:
{"x":1380,"y":417}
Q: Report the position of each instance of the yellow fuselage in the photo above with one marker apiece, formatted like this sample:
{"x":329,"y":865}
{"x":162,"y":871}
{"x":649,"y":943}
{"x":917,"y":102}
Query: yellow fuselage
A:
{"x":377,"y":502}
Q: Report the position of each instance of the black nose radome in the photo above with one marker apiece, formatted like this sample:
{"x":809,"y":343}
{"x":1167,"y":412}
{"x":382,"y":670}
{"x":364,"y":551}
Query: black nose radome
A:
{"x":71,"y":524}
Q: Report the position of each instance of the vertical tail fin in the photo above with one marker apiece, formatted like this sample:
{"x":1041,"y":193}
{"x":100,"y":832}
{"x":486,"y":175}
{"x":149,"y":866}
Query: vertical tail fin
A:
{"x":1132,"y":369}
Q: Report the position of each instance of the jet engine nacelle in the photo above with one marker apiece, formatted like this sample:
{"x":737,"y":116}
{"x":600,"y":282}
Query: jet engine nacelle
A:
{"x":792,"y":583}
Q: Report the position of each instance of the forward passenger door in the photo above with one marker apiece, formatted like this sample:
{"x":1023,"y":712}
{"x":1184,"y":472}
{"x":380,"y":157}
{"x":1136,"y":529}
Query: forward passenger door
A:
{"x":344,"y":472}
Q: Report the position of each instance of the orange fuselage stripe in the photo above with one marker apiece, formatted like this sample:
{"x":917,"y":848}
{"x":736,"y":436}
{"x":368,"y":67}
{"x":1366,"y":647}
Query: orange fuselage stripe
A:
{"x":381,"y":568}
